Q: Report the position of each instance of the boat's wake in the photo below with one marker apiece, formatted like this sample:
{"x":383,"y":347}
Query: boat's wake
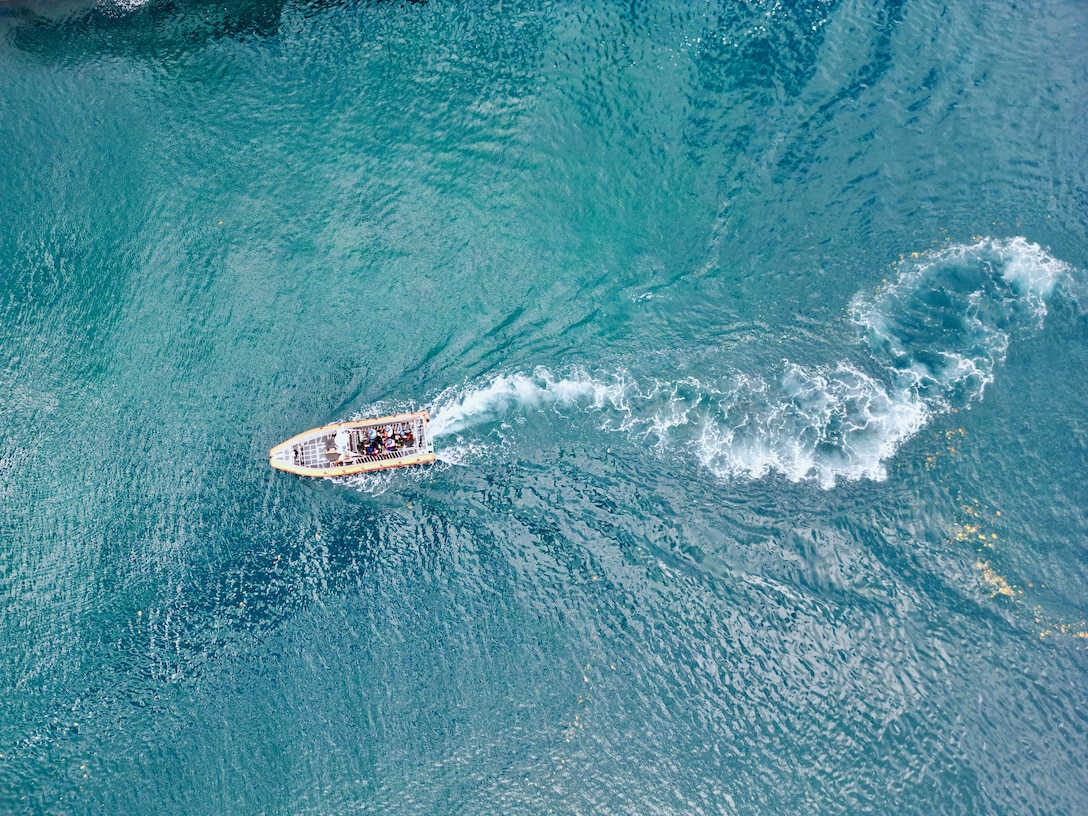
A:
{"x":456,"y":409}
{"x":932,"y":338}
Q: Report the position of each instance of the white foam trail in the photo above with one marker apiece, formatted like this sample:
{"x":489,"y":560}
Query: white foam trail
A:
{"x":932,"y":340}
{"x":457,"y":409}
{"x":812,"y":425}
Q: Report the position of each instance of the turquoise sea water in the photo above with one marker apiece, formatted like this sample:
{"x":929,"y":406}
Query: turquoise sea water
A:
{"x":754,"y":337}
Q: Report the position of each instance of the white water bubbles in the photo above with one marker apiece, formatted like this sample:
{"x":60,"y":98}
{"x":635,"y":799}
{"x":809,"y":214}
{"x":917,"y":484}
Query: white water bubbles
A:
{"x":822,"y":424}
{"x":456,"y":409}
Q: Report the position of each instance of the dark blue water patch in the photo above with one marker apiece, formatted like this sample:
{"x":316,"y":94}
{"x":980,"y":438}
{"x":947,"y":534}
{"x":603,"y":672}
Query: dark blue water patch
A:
{"x":763,"y":48}
{"x":239,"y":658}
{"x":161,"y":29}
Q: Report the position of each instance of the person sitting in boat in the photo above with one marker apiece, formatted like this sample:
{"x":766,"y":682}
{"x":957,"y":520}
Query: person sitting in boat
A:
{"x":407,"y":437}
{"x":342,"y":442}
{"x":372,"y":448}
{"x":390,"y":444}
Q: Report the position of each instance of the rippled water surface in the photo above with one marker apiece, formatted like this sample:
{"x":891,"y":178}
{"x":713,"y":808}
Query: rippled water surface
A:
{"x":753,"y":336}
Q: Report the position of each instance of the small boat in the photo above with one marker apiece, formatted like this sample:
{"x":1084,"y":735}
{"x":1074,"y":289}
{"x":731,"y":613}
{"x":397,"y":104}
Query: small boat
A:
{"x":347,"y":448}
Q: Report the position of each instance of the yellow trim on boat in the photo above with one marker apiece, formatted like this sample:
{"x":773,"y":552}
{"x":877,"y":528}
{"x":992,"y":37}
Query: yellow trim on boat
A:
{"x":352,"y":470}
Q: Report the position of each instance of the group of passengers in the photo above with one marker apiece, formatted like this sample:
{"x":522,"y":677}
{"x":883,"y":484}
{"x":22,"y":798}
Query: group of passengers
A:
{"x":351,"y":444}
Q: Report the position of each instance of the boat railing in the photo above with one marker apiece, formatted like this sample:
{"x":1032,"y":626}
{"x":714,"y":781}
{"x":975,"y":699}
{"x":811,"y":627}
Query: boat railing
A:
{"x":316,"y":452}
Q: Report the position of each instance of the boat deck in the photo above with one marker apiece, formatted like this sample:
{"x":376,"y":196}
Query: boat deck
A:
{"x":316,"y":452}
